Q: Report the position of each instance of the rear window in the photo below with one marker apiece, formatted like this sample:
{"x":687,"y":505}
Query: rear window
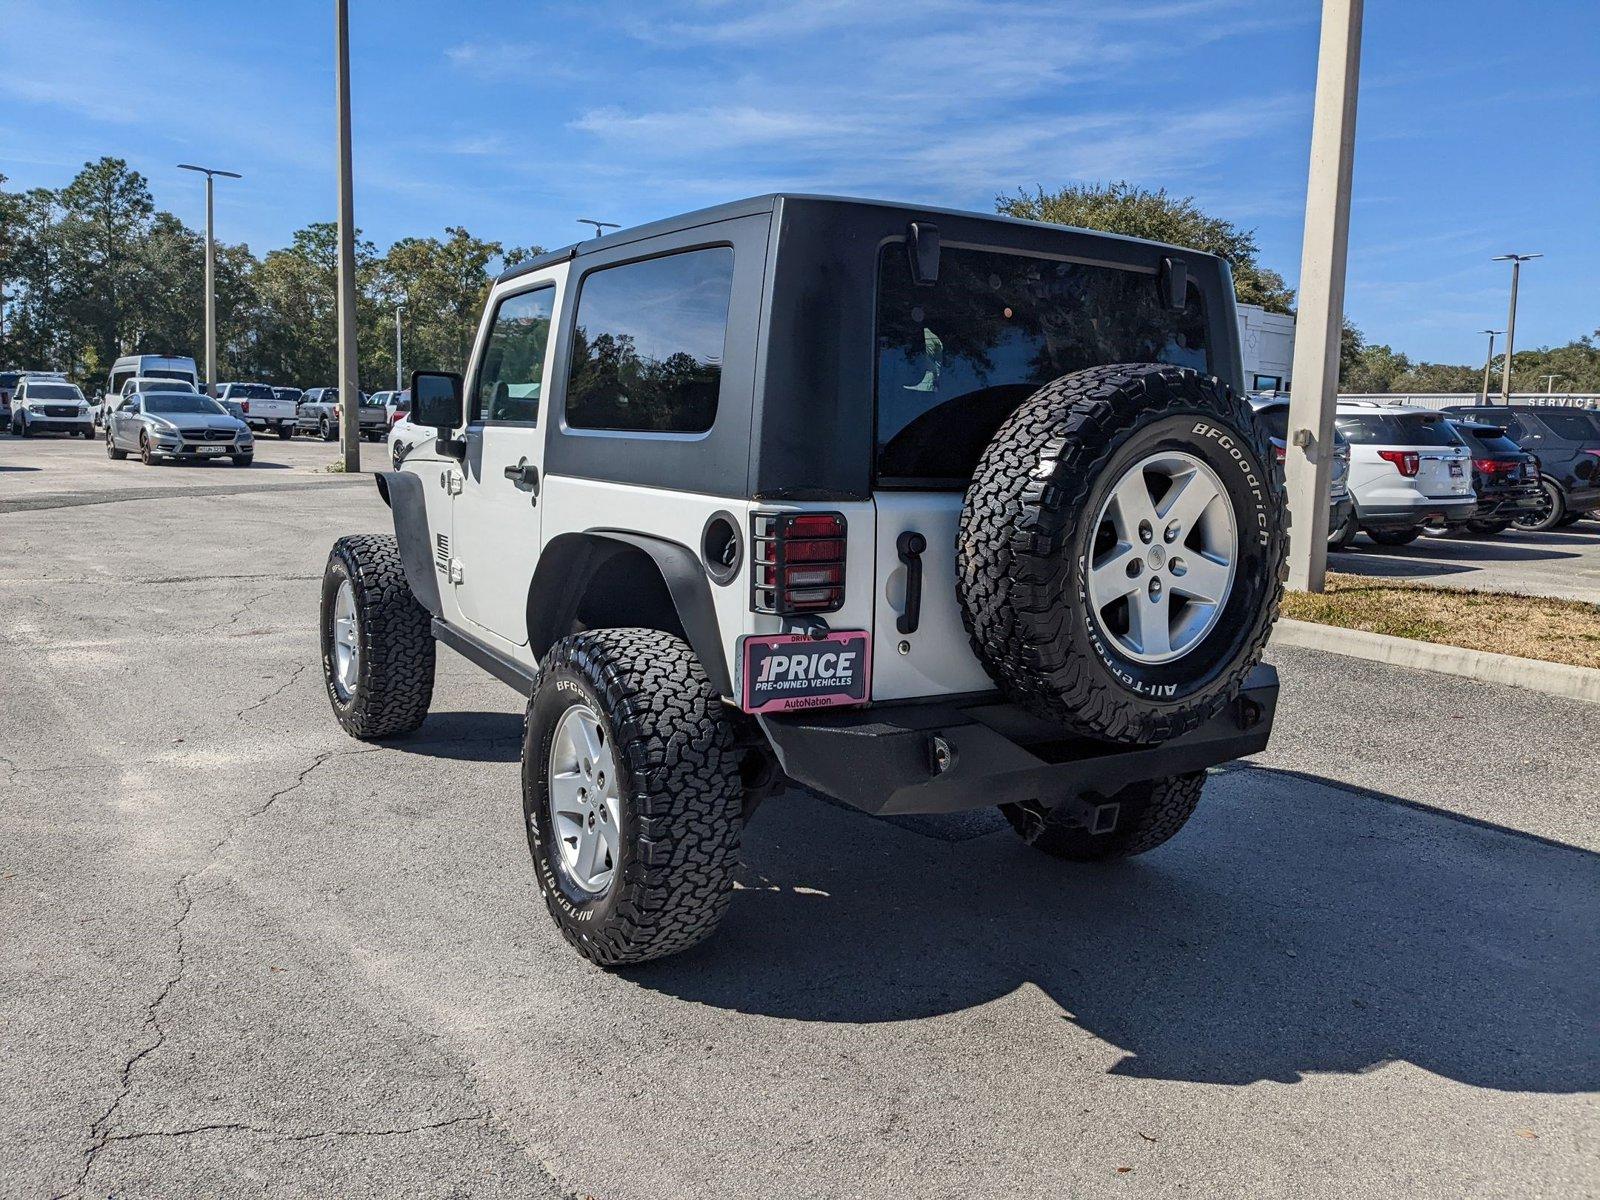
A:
{"x":1277,"y":422}
{"x":1573,"y":426}
{"x":250,"y":391}
{"x":955,"y":359}
{"x":647,"y":344}
{"x":53,"y":391}
{"x":1487,"y":441}
{"x":159,"y":374}
{"x":1396,"y":429}
{"x":8,"y":379}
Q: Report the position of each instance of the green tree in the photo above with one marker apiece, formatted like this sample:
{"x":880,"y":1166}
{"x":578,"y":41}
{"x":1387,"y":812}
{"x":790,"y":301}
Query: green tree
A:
{"x":107,"y":211}
{"x":1125,"y":208}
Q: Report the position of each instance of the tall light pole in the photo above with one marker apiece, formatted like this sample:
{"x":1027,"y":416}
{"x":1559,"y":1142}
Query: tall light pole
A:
{"x":1489,"y":361}
{"x":211,"y":273}
{"x":399,"y":367}
{"x":1550,"y":383}
{"x":349,"y":379}
{"x":1516,"y":261}
{"x":1322,"y":271}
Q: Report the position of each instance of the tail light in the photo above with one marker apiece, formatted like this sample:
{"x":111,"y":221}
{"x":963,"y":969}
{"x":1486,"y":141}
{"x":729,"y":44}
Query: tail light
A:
{"x":1279,"y":453}
{"x":797,"y":562}
{"x":394,"y":418}
{"x":1405,"y":461}
{"x":1592,"y":453}
{"x":244,"y":406}
{"x":1495,"y":466}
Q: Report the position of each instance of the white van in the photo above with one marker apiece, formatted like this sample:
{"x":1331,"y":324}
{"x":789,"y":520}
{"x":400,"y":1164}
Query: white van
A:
{"x":146,"y":366}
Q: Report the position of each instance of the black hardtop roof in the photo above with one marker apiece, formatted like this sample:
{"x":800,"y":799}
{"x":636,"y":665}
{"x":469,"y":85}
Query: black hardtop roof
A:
{"x":767,"y":203}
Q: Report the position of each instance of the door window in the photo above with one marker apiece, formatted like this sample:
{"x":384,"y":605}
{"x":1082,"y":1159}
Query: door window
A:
{"x":512,"y":372}
{"x":648,"y":344}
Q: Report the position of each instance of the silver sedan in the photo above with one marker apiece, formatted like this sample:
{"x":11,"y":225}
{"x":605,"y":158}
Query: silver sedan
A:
{"x":177,"y":425}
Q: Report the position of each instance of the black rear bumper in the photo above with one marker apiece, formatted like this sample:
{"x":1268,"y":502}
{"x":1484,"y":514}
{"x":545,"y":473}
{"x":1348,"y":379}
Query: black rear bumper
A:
{"x":946,"y":756}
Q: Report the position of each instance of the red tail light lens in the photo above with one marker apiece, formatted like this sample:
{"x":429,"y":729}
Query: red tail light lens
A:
{"x":1494,"y":466}
{"x":1405,"y":461}
{"x":244,"y":405}
{"x":797,"y":562}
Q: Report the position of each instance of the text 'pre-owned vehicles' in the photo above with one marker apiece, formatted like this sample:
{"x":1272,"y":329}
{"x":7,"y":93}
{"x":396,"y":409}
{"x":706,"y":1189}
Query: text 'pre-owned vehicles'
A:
{"x":922,"y":510}
{"x":178,"y":424}
{"x":319,"y":414}
{"x":49,"y":404}
{"x":260,"y":406}
{"x":1407,"y":468}
{"x":1505,"y":478}
{"x":1566,"y":441}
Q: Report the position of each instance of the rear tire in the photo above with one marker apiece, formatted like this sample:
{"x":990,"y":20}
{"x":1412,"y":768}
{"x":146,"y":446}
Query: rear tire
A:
{"x":1395,"y":537}
{"x":285,"y":432}
{"x":1570,"y":518}
{"x":1548,"y":515}
{"x":1151,"y":813}
{"x":1059,"y":490}
{"x":368,"y":608}
{"x":112,"y":452}
{"x":672,"y":806}
{"x":326,"y":430}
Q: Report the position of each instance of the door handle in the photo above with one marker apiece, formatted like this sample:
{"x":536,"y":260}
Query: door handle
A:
{"x":909,"y":546}
{"x":525,"y":476}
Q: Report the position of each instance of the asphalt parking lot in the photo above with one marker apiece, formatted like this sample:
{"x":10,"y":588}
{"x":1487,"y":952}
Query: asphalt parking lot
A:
{"x":1564,"y":563}
{"x":243,"y":954}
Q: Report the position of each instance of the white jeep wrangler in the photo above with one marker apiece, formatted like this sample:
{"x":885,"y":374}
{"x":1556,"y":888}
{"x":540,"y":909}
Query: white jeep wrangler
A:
{"x":921,"y":510}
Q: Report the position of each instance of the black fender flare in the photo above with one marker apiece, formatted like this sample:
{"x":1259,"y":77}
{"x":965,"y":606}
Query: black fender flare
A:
{"x":552,"y":598}
{"x":402,"y":492}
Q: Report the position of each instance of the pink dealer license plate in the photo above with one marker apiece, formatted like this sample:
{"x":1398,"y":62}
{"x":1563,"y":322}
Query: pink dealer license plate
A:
{"x":783,"y":672}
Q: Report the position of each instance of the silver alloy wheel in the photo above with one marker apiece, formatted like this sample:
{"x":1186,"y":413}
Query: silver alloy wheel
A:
{"x":585,"y":806}
{"x":346,"y":641}
{"x":1166,"y":546}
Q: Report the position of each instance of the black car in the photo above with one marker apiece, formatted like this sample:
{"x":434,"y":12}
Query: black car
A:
{"x":1505,"y":476}
{"x":1566,"y":441}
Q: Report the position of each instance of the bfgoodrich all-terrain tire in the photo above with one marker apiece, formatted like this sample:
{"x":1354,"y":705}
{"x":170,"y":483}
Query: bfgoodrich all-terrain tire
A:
{"x":632,"y":795}
{"x":377,"y":641}
{"x":1149,"y":814}
{"x":1105,"y":511}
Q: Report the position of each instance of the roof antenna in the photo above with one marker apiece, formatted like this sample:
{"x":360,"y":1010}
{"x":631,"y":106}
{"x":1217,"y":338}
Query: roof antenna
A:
{"x":599,"y":226}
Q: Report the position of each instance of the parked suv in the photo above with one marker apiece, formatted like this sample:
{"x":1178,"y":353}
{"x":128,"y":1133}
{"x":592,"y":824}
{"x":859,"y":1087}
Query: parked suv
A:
{"x":922,"y":510}
{"x":1505,"y":478}
{"x":1407,"y":468}
{"x":1566,"y":441}
{"x":49,"y":404}
{"x":1273,"y":411}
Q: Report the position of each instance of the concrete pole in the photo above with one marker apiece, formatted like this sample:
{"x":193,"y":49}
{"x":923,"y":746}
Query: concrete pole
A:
{"x":211,"y":292}
{"x":349,"y":378}
{"x":1320,"y":322}
{"x":399,"y":369}
{"x":1488,"y":363}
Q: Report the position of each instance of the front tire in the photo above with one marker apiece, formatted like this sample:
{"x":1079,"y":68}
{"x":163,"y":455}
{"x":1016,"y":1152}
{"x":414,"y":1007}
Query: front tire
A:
{"x":377,"y":641}
{"x":242,"y":460}
{"x":146,"y":455}
{"x":1151,"y":813}
{"x":631,"y":795}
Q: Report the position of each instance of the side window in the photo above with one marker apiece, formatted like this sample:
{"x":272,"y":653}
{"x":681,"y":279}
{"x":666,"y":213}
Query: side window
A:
{"x":512,"y":372}
{"x":648,"y":342}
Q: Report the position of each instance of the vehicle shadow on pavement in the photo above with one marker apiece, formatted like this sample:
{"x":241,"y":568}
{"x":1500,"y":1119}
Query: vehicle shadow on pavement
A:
{"x":1434,"y":549}
{"x":466,"y":737}
{"x":1294,"y":927}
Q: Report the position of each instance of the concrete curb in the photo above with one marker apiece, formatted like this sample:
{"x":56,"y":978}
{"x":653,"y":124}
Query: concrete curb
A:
{"x":1556,"y":679}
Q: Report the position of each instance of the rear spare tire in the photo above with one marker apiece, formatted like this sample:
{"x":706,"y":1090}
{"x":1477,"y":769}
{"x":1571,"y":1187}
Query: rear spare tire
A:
{"x":1120,"y":558}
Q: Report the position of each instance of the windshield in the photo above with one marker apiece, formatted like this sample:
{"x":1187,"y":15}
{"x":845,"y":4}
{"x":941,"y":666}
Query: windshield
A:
{"x":180,"y":402}
{"x":1397,"y":429}
{"x":955,"y":359}
{"x":371,"y":402}
{"x":53,"y":391}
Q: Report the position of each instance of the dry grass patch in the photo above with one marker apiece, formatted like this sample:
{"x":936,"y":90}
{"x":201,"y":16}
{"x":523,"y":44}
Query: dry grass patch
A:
{"x":1563,"y":631}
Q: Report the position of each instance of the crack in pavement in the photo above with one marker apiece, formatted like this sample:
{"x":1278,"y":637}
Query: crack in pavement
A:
{"x":100,"y":1134}
{"x":288,"y":1135}
{"x":274,"y":694}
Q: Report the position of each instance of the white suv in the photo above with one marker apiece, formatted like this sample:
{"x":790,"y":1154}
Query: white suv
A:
{"x":49,"y":404}
{"x":1407,"y":468}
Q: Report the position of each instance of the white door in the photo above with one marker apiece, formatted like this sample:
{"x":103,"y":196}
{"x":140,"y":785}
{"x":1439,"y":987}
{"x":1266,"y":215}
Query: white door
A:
{"x":495,"y":537}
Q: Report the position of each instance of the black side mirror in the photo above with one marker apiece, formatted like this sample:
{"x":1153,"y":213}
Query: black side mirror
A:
{"x":436,"y":400}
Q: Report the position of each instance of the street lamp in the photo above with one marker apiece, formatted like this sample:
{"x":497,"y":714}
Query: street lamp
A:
{"x":1493,"y":333}
{"x":1550,"y":383}
{"x":1516,"y":261}
{"x":399,"y":370}
{"x":349,"y":379}
{"x":211,"y":273}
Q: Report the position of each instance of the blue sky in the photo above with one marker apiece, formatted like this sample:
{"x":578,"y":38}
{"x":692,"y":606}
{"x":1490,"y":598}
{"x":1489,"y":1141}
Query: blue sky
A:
{"x":1478,"y":133}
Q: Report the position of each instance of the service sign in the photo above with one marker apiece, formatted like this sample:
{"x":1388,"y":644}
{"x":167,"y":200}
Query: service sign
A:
{"x":785,"y":672}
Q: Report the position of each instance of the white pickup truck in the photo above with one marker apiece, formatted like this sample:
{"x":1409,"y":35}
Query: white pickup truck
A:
{"x":259,"y":407}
